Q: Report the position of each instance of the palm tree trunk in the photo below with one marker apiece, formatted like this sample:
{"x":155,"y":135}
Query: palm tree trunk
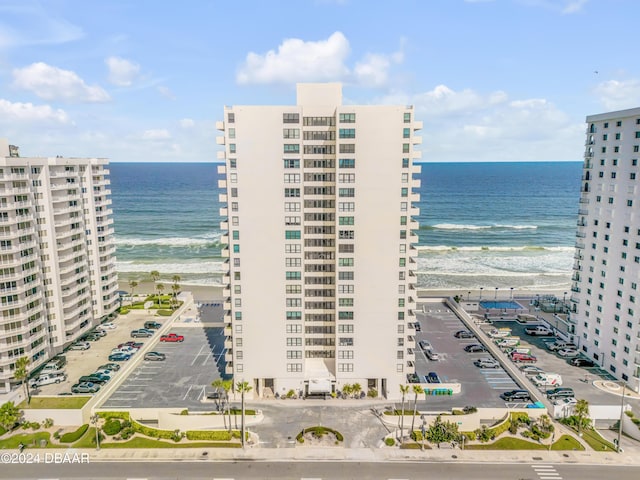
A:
{"x":413,"y":419}
{"x":402,"y":420}
{"x":242,"y":419}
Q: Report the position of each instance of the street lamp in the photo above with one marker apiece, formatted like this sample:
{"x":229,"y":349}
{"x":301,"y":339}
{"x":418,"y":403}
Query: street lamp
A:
{"x":468,"y":296}
{"x":481,"y":289}
{"x":511,"y":297}
{"x":496,"y":295}
{"x":564,"y":302}
{"x":621,"y":416}
{"x":94,"y":420}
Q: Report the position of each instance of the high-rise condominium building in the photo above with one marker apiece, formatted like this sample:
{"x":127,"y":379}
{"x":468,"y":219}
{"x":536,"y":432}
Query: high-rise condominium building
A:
{"x":606,"y":272}
{"x":320,"y":286}
{"x":57,"y":255}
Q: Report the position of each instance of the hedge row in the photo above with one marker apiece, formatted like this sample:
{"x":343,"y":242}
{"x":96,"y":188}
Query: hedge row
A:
{"x":121,"y":415}
{"x":215,"y":435}
{"x":71,"y":437}
{"x":320,"y":431}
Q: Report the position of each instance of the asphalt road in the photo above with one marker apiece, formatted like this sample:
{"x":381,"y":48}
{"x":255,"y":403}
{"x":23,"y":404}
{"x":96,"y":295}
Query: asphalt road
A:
{"x":319,"y":470}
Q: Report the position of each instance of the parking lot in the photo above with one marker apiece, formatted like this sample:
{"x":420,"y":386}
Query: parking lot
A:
{"x":182,"y":380}
{"x":481,"y":387}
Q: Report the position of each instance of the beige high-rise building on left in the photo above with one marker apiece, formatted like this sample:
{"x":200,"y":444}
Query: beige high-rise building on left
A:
{"x":57,"y":255}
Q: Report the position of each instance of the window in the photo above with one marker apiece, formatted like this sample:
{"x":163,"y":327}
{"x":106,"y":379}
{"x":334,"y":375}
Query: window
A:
{"x":292,"y":234}
{"x":346,"y":206}
{"x":629,"y":203}
{"x":290,"y":133}
{"x":291,"y":178}
{"x":345,"y":262}
{"x":232,"y":133}
{"x":347,"y":163}
{"x":346,"y":220}
{"x":406,"y":132}
{"x":617,"y":136}
{"x":290,"y":118}
{"x":605,"y":137}
{"x":293,"y":275}
{"x":407,"y":118}
{"x":291,"y":148}
{"x":347,"y":118}
{"x":348,"y":147}
{"x":232,"y":148}
{"x":347,"y":192}
{"x":405,"y":148}
{"x":404,"y":192}
{"x":637,"y":134}
{"x":405,"y":163}
{"x":291,"y":192}
{"x":292,"y":206}
{"x":346,"y":177}
{"x":292,"y":220}
{"x":235,"y":235}
{"x":231,"y":117}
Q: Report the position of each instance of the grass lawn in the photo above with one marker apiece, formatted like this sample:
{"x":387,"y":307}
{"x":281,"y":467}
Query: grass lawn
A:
{"x":26,"y":439}
{"x":509,"y":443}
{"x":88,"y":440}
{"x":140,"y":442}
{"x":63,"y":401}
{"x":596,"y":442}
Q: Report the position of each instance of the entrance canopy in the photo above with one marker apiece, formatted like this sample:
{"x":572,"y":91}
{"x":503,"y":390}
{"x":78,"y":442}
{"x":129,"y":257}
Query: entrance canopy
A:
{"x":318,"y":376}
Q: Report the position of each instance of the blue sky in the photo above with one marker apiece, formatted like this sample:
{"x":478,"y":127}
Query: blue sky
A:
{"x":146,"y":80}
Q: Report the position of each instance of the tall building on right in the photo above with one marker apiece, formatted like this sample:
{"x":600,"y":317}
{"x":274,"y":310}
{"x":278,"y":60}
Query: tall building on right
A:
{"x":606,"y":272}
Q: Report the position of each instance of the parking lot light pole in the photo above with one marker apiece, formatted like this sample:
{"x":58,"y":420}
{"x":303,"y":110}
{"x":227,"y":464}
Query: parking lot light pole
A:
{"x":481,"y":289}
{"x":496,"y":295}
{"x":622,"y":384}
{"x":468,"y":296}
{"x":511,"y":296}
{"x":94,"y":420}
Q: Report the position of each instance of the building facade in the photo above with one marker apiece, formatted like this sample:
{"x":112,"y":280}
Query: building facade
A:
{"x":57,"y":255}
{"x":606,"y":273}
{"x":320,"y":285}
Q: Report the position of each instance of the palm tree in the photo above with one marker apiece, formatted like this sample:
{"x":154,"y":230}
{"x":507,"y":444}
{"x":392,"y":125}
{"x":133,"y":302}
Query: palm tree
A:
{"x":155,"y":275}
{"x":404,"y":389}
{"x":132,"y":286}
{"x":22,"y":374}
{"x":160,"y":288}
{"x":581,"y":411}
{"x":417,"y":390}
{"x":243,"y":387}
{"x":347,"y":389}
{"x":225,"y":385}
{"x":176,"y":288}
{"x":356,"y":388}
{"x":9,"y":415}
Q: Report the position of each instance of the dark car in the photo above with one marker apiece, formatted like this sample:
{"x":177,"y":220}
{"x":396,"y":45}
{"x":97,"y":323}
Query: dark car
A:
{"x":560,"y":392}
{"x":582,"y":362}
{"x":151,"y":325}
{"x":433,"y":377}
{"x":463,"y":334}
{"x":119,"y":357}
{"x":413,"y":378}
{"x":155,"y":356}
{"x":137,"y":345}
{"x":513,"y":395}
{"x":114,"y":367}
{"x":141,"y":333}
{"x":417,"y":326}
{"x":92,"y":379}
{"x":475,"y":348}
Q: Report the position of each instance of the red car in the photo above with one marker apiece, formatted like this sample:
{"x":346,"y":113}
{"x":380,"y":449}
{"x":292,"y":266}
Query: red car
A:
{"x":137,"y":345}
{"x":172,"y":337}
{"x":523,"y":358}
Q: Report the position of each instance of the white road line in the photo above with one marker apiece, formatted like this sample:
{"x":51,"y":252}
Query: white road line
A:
{"x":206,"y":359}
{"x":558,"y":477}
{"x":197,"y":355}
{"x":131,"y":391}
{"x":187,"y":394}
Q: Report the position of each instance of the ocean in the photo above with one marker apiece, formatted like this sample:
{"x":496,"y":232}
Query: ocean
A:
{"x":481,"y":224}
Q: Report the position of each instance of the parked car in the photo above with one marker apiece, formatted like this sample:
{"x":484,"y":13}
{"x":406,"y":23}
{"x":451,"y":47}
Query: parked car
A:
{"x":99,"y":332}
{"x":539,"y":331}
{"x":104,"y":371}
{"x":155,"y":356}
{"x":80,"y":346}
{"x":141,"y":333}
{"x":513,"y":395}
{"x":568,"y":353}
{"x":119,"y":357}
{"x":107,"y":326}
{"x":47,"y":379}
{"x":582,"y":362}
{"x":547,"y":380}
{"x":475,"y":348}
{"x":136,"y":345}
{"x":85,"y":388}
{"x":151,"y":325}
{"x":559,"y":345}
{"x":432,"y":377}
{"x":431,"y":355}
{"x":413,"y":378}
{"x":486,"y":363}
{"x":92,"y":379}
{"x":114,"y":367}
{"x":566,"y":401}
{"x":523,"y":358}
{"x":91,"y":337}
{"x":128,"y":350}
{"x":425,"y":345}
{"x":172,"y":337}
{"x":417,"y":326}
{"x":463,"y":334}
{"x":508,"y":342}
{"x":560,"y":392}
{"x":531,"y":370}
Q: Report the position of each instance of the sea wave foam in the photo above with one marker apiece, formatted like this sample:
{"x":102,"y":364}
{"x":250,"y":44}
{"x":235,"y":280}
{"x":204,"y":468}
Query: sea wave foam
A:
{"x":455,"y":226}
{"x":514,"y":248}
{"x":178,"y":242}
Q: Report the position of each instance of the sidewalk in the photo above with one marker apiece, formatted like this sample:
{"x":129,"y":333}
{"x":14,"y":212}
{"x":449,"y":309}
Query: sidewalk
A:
{"x":385,"y":454}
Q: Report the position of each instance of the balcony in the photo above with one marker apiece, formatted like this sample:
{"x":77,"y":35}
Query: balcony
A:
{"x":222,"y":184}
{"x":221,"y":155}
{"x":417,"y":125}
{"x":583,"y":211}
{"x":584,"y":200}
{"x":578,"y":256}
{"x":228,"y":369}
{"x":580,"y":246}
{"x":228,"y":343}
{"x":220,"y":126}
{"x":224,"y":226}
{"x":222,"y":198}
{"x":581,"y":234}
{"x":222,"y":169}
{"x":416,"y":169}
{"x":416,"y":140}
{"x":219,"y":140}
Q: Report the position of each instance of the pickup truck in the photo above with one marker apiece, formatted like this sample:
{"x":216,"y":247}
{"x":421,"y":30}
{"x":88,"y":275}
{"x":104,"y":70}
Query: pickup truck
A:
{"x":538,"y":331}
{"x":172,"y":337}
{"x":46,"y":379}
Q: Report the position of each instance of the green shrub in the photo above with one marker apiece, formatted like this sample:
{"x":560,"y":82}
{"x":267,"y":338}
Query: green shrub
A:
{"x":185,"y":412}
{"x":126,"y":432}
{"x":177,"y":435}
{"x":47,"y":423}
{"x":214,"y":435}
{"x":389,"y":442}
{"x":71,"y":437}
{"x":124,"y":310}
{"x":108,"y":415}
{"x":2,"y":430}
{"x":165,"y":313}
{"x":372,"y":393}
{"x":112,"y":426}
{"x":56,"y":435}
{"x":471,"y":436}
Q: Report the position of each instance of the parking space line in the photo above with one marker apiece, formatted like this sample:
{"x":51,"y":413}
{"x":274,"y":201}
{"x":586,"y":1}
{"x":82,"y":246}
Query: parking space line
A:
{"x":187,"y":394}
{"x":197,"y":355}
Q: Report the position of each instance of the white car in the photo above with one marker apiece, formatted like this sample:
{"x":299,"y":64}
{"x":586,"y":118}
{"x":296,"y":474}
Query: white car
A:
{"x":107,"y":326}
{"x":568,"y":353}
{"x":566,"y":402}
{"x":80,"y":346}
{"x":531,"y":370}
{"x":127,"y":350}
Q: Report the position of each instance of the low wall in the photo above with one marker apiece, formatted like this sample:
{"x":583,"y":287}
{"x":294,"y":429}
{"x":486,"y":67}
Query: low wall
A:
{"x":629,"y":428}
{"x":194,"y":421}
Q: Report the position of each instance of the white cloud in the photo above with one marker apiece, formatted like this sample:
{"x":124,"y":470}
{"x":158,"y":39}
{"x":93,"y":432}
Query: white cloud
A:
{"x":122,"y":72}
{"x":30,"y":113}
{"x":574,"y":6}
{"x":297,"y":61}
{"x":156,"y":134}
{"x":187,"y":123}
{"x":28,"y":23}
{"x":565,"y":7}
{"x":373,"y":70}
{"x":619,"y":94}
{"x":52,"y":83}
{"x":165,"y":92}
{"x":467,"y":125}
